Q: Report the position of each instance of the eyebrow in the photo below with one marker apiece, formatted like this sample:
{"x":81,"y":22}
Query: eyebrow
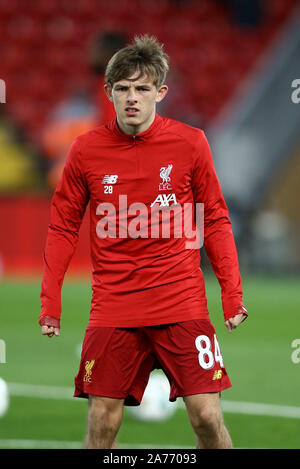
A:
{"x":138,"y":85}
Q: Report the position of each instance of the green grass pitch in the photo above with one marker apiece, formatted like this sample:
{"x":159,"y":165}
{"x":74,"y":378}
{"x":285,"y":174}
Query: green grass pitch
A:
{"x":257,"y":356}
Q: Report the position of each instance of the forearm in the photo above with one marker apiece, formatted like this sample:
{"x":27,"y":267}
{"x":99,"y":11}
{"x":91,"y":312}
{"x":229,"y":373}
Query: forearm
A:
{"x":60,"y":247}
{"x":221,"y":249}
{"x":67,"y":211}
{"x":219,"y":243}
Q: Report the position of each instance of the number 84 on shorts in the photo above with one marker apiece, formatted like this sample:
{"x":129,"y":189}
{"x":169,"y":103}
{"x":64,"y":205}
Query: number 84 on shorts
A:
{"x":208,"y":354}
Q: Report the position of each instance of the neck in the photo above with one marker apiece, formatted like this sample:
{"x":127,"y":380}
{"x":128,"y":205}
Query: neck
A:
{"x":136,"y":129}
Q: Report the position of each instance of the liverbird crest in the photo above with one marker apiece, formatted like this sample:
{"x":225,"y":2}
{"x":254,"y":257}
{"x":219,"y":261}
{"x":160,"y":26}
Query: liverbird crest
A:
{"x":165,"y":173}
{"x":88,"y":367}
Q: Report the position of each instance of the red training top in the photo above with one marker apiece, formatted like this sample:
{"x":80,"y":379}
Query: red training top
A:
{"x":139,"y":280}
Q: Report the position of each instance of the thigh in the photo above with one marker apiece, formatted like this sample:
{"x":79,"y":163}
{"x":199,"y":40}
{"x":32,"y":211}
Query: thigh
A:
{"x":203,"y":404}
{"x":190,"y":355}
{"x":99,"y":405}
{"x":111,"y":361}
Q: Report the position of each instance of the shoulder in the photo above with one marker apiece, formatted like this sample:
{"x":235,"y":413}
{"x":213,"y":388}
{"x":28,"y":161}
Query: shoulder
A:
{"x":190,"y":134}
{"x":95,"y":135}
{"x":79,"y":149}
{"x":83,"y":146}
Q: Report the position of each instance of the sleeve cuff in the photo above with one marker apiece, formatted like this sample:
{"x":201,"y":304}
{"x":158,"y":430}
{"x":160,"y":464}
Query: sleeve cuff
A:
{"x":49,"y":321}
{"x":232,"y":310}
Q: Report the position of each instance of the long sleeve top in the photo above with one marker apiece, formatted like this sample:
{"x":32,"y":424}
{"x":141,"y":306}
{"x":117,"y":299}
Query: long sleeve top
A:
{"x":136,"y":186}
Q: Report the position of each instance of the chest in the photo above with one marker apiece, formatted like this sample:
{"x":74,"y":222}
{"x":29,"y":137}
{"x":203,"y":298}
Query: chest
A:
{"x":160,"y":171}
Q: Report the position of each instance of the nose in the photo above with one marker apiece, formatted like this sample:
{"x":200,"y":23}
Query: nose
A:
{"x":131,"y":97}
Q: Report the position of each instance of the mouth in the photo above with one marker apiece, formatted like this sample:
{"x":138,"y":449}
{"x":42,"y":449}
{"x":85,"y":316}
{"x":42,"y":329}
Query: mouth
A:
{"x":131,"y":111}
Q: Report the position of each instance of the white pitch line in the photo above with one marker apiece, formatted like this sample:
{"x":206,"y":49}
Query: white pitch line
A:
{"x":235,"y":407}
{"x":256,"y":408}
{"x":40,"y":444}
{"x":57,"y":444}
{"x":41,"y":391}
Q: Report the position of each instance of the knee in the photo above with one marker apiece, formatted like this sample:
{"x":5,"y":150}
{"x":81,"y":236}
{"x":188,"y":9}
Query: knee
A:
{"x":207,"y":420}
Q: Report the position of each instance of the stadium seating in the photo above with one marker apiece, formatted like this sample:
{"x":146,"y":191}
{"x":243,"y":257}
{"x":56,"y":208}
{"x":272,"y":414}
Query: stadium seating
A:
{"x":46,"y":45}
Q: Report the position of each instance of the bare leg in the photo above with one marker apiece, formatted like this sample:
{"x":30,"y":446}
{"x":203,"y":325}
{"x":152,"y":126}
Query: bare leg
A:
{"x":206,"y":418}
{"x":104,"y":420}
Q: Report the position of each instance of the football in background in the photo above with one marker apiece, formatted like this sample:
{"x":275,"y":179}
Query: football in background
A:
{"x":155,"y":405}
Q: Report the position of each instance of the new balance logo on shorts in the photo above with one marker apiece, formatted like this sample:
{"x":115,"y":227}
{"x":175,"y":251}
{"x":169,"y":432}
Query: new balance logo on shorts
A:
{"x":217,"y":374}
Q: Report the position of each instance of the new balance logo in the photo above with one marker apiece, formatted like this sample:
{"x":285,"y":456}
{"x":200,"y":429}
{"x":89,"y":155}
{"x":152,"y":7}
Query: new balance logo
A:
{"x":164,"y":200}
{"x":110,"y":179}
{"x":217,"y":374}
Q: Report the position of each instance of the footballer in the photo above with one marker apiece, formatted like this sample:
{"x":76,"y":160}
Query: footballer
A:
{"x":149,"y":306}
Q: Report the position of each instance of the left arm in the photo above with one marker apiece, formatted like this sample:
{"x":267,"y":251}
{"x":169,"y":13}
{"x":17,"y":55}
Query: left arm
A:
{"x":219,"y":243}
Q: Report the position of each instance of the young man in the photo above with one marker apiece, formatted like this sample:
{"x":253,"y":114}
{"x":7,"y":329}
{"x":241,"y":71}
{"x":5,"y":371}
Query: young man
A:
{"x":149,"y":306}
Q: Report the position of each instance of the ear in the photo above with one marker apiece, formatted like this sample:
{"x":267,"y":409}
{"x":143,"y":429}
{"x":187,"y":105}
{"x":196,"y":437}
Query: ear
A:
{"x":108,"y":91}
{"x":161,"y":93}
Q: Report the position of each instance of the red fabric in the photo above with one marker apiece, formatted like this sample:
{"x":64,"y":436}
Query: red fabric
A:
{"x":144,"y":281}
{"x":117,"y":362}
{"x":48,"y":321}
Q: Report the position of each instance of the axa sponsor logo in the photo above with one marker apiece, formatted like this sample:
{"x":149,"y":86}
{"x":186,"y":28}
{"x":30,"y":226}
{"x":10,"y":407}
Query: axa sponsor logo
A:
{"x":165,"y":200}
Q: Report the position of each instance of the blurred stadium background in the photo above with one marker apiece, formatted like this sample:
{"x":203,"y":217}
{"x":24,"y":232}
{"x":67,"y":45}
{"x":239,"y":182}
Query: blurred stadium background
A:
{"x":233,"y":63}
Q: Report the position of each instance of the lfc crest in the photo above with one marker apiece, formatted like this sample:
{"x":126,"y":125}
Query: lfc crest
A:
{"x":165,"y":175}
{"x":88,"y":371}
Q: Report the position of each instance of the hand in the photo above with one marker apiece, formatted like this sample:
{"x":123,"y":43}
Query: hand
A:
{"x":235,"y":321}
{"x":50,"y":331}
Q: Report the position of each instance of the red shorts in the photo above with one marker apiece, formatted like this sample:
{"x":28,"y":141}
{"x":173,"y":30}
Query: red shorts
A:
{"x":116,"y":362}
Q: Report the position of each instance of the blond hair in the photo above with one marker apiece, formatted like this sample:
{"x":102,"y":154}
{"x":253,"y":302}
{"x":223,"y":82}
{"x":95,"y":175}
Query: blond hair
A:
{"x":145,"y":55}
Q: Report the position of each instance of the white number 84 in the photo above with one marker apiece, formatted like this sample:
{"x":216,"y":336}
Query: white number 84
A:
{"x":206,"y":357}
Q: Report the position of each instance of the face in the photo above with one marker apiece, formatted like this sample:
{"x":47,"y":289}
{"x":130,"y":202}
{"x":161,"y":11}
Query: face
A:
{"x":135,"y":102}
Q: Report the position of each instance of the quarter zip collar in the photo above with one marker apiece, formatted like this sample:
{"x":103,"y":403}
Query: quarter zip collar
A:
{"x":152,"y":130}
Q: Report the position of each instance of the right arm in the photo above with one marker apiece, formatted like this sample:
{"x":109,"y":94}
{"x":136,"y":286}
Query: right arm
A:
{"x":67,"y":210}
{"x":219,"y":242}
